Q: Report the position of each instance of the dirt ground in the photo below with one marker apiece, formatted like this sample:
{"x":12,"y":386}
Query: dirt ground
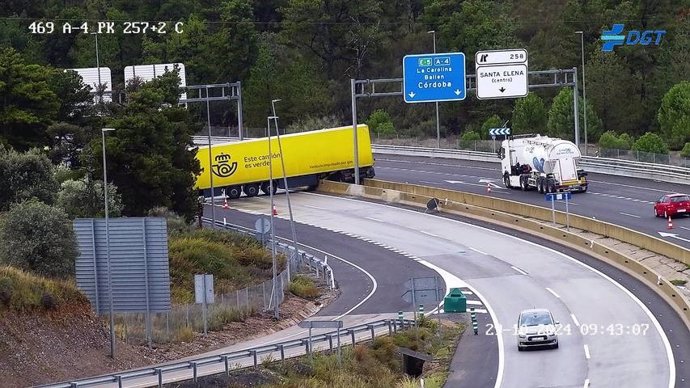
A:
{"x":50,"y":348}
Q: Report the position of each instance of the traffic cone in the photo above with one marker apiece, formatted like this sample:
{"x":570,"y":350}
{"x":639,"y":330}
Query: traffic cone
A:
{"x":488,"y":187}
{"x":225,"y":204}
{"x":275,"y":212}
{"x":670,"y":223}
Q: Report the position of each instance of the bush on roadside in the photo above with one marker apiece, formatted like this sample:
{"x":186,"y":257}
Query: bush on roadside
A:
{"x":24,"y":292}
{"x":468,"y":139}
{"x":304,"y":287}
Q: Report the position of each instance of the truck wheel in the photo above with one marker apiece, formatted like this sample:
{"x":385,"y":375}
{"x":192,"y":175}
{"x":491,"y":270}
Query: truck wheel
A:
{"x":251,"y":190}
{"x":523,"y":183}
{"x":265,"y":187}
{"x":540,"y":185}
{"x":233,"y":192}
{"x":506,"y":181}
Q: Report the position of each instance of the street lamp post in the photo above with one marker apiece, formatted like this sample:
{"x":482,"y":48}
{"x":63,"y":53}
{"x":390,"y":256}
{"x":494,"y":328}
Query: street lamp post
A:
{"x":584,"y":93}
{"x":107,"y":247}
{"x":438,"y":125}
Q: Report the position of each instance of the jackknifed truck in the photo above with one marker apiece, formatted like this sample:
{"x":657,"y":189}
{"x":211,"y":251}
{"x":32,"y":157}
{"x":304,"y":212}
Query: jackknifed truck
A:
{"x":545,"y":164}
{"x":243,"y":166}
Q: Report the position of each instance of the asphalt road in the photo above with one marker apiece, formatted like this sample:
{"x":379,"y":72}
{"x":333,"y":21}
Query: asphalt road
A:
{"x":619,"y":200}
{"x":511,"y":275}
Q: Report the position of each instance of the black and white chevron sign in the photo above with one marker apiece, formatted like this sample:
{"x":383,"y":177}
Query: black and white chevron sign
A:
{"x":499,"y":131}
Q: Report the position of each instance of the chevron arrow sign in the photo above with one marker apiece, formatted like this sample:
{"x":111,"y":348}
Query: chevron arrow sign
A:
{"x":499,"y":131}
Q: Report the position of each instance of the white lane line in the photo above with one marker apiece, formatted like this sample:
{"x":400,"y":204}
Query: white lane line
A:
{"x":629,"y":215}
{"x":683,"y":227}
{"x":478,"y":251}
{"x":586,"y":351}
{"x":374,"y":219}
{"x":518,"y":269}
{"x":315,"y":207}
{"x":430,"y":234}
{"x":586,"y":384}
{"x":577,"y":323}
{"x":474,"y":302}
{"x":553,"y":292}
{"x":453,"y":281}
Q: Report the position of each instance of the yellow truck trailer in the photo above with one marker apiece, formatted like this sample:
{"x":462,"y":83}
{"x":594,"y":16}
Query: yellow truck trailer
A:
{"x":243,"y":167}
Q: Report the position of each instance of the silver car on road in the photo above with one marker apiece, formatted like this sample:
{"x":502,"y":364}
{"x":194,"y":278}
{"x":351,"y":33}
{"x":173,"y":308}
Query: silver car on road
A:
{"x":536,"y":327}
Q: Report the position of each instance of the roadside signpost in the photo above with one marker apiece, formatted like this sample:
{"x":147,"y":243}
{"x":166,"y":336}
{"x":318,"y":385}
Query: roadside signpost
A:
{"x":553,"y":197}
{"x":501,"y":74}
{"x":204,"y":295}
{"x":434,"y":77}
{"x":322,"y":325}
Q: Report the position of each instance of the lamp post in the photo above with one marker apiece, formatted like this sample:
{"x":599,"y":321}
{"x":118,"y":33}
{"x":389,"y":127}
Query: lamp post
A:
{"x":107,"y":247}
{"x":584,"y":93}
{"x":438,"y":127}
{"x":274,"y":283}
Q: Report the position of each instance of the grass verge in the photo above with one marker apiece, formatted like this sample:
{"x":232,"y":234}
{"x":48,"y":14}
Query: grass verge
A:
{"x":23,"y":292}
{"x":304,"y":287}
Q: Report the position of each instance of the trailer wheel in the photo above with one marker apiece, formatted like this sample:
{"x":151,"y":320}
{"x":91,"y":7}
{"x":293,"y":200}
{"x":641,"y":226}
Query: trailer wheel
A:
{"x":265,"y":187}
{"x":550,"y":187}
{"x":251,"y":189}
{"x":540,"y":185}
{"x":233,"y":192}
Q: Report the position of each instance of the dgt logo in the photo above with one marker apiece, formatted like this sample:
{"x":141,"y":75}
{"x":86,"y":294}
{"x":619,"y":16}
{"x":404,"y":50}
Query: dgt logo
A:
{"x":613,"y":37}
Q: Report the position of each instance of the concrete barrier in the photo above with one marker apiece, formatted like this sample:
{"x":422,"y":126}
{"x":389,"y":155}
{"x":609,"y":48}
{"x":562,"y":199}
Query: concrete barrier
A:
{"x":532,"y":219}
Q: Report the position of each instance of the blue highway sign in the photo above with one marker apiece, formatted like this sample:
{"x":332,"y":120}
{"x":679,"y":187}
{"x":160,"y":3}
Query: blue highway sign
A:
{"x":434,"y":77}
{"x":558,"y":196}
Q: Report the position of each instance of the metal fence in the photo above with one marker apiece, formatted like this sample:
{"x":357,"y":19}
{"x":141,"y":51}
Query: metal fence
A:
{"x":183,"y":320}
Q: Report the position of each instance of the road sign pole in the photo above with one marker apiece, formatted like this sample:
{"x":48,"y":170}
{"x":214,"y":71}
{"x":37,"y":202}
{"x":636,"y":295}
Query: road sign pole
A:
{"x":553,"y":208}
{"x":354,"y":128}
{"x":567,"y":213}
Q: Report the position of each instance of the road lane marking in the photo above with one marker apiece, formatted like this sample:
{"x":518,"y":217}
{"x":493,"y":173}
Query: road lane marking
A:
{"x":430,"y":234}
{"x":374,"y":219}
{"x":478,"y":251}
{"x":667,"y":345}
{"x":518,"y":269}
{"x":629,"y":215}
{"x":577,"y":323}
{"x":586,"y":384}
{"x":553,"y":292}
{"x":683,"y":227}
{"x":586,"y":351}
{"x":475,"y":302}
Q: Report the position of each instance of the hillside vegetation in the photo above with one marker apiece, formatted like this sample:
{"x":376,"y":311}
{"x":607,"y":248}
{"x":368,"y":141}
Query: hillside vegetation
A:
{"x":21,"y":292}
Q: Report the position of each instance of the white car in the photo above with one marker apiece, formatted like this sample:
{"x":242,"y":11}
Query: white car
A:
{"x":536,"y":327}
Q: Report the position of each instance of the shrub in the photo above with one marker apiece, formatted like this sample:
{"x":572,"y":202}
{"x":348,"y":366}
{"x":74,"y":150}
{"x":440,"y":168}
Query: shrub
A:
{"x":685,"y":152}
{"x":609,"y":140}
{"x":220,"y":316}
{"x":468,"y":139}
{"x":23,"y":292}
{"x":492,"y":122}
{"x":176,"y":224}
{"x":651,"y":142}
{"x":626,"y":141}
{"x":24,"y":176}
{"x":304,"y":287}
{"x":381,"y":124}
{"x":38,"y":238}
{"x":184,"y":334}
{"x":84,"y":198}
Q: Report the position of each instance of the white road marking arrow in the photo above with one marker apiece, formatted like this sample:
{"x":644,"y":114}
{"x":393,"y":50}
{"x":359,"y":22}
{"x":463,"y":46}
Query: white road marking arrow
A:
{"x":455,"y":181}
{"x":664,"y":234}
{"x":490,"y":182}
{"x":411,"y":94}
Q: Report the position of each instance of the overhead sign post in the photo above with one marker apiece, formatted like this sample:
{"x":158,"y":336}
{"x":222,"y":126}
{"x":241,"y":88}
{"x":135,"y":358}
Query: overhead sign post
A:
{"x":501,"y":74}
{"x":434,"y":77}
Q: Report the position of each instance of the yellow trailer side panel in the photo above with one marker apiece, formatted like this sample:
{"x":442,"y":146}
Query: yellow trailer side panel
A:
{"x":305,"y":153}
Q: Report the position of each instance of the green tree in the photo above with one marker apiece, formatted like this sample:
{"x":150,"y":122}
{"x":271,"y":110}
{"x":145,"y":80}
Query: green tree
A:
{"x":492,"y":122}
{"x":150,"y":156}
{"x":685,"y":152}
{"x":529,"y":115}
{"x":83,"y":198}
{"x":674,"y":115}
{"x":609,"y":140}
{"x":380,"y":123}
{"x":27,"y":105}
{"x":24,"y":176}
{"x":652,"y":143}
{"x":38,"y":238}
{"x":561,"y":122}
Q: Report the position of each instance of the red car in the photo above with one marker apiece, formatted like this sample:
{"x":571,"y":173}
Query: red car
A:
{"x":669,"y":205}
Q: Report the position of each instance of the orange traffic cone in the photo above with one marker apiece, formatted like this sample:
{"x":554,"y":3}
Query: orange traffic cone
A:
{"x":488,"y":187}
{"x":670,"y":223}
{"x":275,"y":212}
{"x":225,"y":204}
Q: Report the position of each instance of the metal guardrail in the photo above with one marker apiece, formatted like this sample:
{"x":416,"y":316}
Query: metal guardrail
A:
{"x":224,"y":359}
{"x":621,"y":167}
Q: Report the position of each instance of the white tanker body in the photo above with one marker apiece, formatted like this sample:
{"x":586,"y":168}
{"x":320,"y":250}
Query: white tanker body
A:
{"x":542,"y":163}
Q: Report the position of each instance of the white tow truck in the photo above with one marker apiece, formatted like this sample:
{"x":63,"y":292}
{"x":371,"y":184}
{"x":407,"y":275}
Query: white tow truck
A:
{"x":543,"y":163}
